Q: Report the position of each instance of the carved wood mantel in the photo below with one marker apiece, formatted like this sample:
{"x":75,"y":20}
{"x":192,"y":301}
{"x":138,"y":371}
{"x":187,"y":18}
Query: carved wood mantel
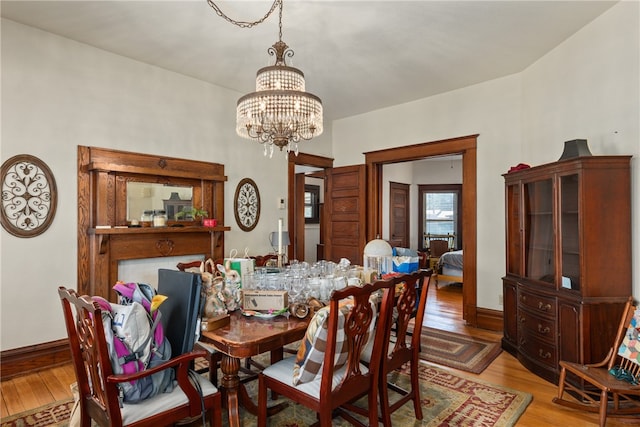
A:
{"x":102,"y":202}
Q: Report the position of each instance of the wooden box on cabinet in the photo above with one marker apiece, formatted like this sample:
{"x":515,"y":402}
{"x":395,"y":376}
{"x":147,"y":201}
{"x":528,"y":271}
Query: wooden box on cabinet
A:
{"x":568,"y":260}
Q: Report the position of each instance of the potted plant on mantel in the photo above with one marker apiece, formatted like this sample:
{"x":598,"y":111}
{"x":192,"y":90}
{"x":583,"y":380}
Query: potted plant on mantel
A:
{"x":192,"y":214}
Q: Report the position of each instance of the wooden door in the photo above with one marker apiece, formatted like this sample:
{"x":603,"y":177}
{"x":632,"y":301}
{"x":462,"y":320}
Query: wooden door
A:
{"x":345,"y":216}
{"x":399,"y":215}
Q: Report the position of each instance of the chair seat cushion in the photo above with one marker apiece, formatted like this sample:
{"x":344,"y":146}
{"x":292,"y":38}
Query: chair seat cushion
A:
{"x":308,"y":362}
{"x":132,"y":412}
{"x":281,"y":371}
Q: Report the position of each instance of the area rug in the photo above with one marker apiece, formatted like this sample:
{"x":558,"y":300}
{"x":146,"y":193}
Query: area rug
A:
{"x":458,"y":351}
{"x":53,"y":414}
{"x":447,"y":400}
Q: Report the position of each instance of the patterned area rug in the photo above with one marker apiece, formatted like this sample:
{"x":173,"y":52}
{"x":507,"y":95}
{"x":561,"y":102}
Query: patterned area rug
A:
{"x":447,"y":400}
{"x":54,"y":414}
{"x":458,"y":351}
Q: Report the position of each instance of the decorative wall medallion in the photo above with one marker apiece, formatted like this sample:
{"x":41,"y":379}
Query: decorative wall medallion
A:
{"x":246,"y":204}
{"x":29,"y":196}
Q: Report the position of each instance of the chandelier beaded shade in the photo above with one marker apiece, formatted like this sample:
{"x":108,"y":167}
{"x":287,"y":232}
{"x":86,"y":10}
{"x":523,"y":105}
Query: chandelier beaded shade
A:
{"x":280,"y":112}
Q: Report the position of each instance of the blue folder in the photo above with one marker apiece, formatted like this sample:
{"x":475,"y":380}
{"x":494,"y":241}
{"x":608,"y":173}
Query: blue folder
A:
{"x":181,"y":309}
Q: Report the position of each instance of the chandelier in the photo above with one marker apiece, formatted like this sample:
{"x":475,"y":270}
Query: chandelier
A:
{"x":280,"y":112}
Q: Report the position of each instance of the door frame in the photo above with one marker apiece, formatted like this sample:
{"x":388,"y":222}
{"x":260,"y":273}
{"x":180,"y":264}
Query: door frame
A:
{"x":295,"y":220}
{"x":465,"y":146}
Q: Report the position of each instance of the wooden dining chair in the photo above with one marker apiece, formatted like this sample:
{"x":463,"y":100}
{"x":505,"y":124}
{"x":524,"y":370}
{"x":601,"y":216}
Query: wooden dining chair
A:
{"x":406,"y":346}
{"x":97,"y":384}
{"x":341,"y":376}
{"x":401,"y":345}
{"x":611,"y":387}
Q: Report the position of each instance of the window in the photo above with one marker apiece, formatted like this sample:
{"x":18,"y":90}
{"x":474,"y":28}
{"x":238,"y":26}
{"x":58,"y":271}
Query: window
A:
{"x":440,"y":212}
{"x":311,"y":204}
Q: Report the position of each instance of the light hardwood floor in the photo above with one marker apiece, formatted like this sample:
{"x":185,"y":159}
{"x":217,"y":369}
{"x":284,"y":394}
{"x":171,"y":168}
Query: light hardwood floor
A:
{"x":443,"y":312}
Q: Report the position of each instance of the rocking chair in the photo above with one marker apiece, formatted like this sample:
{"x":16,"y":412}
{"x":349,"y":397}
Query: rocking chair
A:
{"x":611,"y":386}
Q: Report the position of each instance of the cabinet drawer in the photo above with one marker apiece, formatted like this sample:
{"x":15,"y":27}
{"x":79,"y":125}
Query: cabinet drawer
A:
{"x":538,"y":350}
{"x":541,"y":327}
{"x":538,"y":304}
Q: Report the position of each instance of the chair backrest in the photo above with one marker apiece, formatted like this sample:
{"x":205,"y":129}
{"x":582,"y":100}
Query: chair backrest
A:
{"x":262,"y":260}
{"x":410,"y":302}
{"x":437,"y":247}
{"x":627,"y":344}
{"x":361,"y":313}
{"x":90,"y":356}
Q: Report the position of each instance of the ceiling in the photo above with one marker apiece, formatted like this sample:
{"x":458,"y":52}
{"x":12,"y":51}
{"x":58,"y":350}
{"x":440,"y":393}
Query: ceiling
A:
{"x":357,"y":56}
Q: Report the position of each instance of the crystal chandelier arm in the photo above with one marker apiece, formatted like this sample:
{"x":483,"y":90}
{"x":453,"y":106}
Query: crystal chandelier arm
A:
{"x":243,"y":24}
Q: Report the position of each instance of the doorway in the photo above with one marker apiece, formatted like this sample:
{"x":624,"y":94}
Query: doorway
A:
{"x":464,"y":146}
{"x":296,"y":215}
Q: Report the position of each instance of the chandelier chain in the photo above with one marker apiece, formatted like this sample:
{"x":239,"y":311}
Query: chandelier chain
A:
{"x":245,"y":24}
{"x":280,"y":20}
{"x":280,"y":113}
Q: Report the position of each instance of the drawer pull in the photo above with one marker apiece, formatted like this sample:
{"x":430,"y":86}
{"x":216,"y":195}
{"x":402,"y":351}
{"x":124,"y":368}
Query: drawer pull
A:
{"x":522,"y":319}
{"x":523,"y":298}
{"x":544,"y":307}
{"x":522,"y":341}
{"x":544,"y":355}
{"x":542,"y":330}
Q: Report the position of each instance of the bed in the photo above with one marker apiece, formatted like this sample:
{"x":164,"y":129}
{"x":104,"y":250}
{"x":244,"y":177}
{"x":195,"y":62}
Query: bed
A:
{"x":449,"y":268}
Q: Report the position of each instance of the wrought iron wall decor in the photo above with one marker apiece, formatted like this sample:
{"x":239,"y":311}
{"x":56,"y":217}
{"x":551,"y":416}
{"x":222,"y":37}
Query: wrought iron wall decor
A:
{"x":246,"y":204}
{"x":29,"y":196}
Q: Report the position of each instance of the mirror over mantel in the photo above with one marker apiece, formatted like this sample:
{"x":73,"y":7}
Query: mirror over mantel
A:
{"x":113,"y":185}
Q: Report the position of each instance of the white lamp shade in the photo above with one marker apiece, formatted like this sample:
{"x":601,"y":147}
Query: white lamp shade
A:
{"x":378,"y":248}
{"x":273,"y":238}
{"x":378,"y":256}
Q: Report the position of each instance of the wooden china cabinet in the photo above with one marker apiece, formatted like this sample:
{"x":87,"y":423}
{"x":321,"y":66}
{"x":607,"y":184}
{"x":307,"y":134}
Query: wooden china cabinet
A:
{"x":568,"y":260}
{"x":106,"y":235}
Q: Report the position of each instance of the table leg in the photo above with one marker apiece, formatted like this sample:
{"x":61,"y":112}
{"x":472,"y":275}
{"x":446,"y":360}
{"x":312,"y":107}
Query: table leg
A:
{"x":229,"y":385}
{"x":235,"y":394}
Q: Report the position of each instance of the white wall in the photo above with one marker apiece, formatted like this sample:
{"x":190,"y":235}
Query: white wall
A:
{"x":491,"y":109}
{"x":58,"y":94}
{"x":585,"y":88}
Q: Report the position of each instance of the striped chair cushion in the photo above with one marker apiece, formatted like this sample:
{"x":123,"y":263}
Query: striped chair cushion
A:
{"x":310,"y":356}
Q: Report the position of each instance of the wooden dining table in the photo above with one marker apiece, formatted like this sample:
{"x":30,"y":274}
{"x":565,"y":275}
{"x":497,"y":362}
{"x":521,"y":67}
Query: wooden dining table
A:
{"x":246,"y":337}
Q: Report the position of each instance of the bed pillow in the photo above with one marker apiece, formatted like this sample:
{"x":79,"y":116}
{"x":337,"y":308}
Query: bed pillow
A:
{"x":308,"y":364}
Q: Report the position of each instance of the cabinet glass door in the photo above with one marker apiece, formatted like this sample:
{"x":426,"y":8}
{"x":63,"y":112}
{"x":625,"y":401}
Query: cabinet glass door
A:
{"x":539,"y":253}
{"x":569,"y":223}
{"x":514,"y":237}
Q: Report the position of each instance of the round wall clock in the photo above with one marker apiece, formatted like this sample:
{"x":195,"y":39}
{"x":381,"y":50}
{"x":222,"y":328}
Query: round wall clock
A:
{"x":29,"y":196}
{"x":246,"y":204}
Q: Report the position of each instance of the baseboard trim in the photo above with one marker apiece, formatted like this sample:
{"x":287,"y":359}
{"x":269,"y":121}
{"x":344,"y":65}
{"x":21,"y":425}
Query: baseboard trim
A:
{"x":489,"y":319}
{"x":34,"y":358}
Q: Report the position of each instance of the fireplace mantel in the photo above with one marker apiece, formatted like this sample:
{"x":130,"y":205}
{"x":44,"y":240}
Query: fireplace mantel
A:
{"x":105,"y":235}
